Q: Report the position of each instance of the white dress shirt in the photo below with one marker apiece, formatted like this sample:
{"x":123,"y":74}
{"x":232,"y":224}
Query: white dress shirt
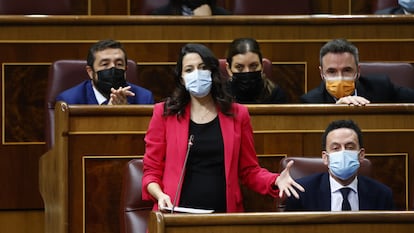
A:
{"x":336,"y":196}
{"x":99,"y":97}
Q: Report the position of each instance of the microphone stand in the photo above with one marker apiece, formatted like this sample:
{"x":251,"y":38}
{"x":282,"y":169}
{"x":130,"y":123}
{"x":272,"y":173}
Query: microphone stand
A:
{"x":190,"y":143}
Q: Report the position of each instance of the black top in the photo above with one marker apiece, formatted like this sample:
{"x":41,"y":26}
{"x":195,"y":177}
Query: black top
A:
{"x":204,"y":184}
{"x":278,"y":96}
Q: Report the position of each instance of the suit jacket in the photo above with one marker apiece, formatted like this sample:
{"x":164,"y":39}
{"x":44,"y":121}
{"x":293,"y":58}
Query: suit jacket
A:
{"x":391,"y":11}
{"x":377,"y":89}
{"x":166,"y":145}
{"x":372,"y":194}
{"x":83,"y":94}
{"x":171,"y":10}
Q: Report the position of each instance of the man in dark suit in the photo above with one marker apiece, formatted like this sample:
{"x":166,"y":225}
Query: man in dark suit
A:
{"x":341,"y":188}
{"x":342,"y":84}
{"x":106,"y":66}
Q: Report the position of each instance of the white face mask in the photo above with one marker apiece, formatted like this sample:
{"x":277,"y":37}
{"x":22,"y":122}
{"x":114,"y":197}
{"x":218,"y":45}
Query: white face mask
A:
{"x":343,"y":164}
{"x":408,"y":5}
{"x":198,"y":82}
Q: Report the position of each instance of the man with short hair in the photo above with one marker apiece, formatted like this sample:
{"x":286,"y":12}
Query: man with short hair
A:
{"x":342,"y":83}
{"x":341,"y":188}
{"x":106,"y":68}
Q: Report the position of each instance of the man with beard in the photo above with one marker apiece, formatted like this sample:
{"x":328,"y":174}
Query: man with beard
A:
{"x":106,"y":66}
{"x":341,"y":188}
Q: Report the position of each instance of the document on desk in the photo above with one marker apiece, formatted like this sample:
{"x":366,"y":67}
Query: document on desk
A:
{"x":178,"y":209}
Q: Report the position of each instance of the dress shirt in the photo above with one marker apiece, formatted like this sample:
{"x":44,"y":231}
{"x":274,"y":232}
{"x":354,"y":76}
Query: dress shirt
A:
{"x":336,"y":196}
{"x":99,"y":97}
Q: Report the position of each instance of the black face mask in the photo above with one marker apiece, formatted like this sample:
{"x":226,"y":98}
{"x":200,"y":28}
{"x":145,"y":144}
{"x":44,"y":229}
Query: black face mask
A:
{"x":193,"y":4}
{"x":110,"y":78}
{"x":247,"y":86}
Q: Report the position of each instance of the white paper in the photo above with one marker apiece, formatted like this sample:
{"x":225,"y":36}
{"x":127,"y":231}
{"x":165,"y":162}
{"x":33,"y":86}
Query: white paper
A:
{"x":188,"y":210}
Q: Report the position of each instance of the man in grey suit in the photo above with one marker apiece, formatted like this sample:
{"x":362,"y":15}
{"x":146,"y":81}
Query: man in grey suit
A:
{"x":341,"y":188}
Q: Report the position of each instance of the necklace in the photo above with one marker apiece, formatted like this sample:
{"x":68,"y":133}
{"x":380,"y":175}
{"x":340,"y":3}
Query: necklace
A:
{"x":201,"y":116}
{"x":202,"y":111}
{"x":205,"y":115}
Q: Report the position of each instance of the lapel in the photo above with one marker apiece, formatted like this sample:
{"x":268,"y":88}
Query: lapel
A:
{"x":90,"y":95}
{"x":227,"y":131}
{"x":365,"y":195}
{"x":325,"y":193}
{"x":362,"y":91}
{"x":181,"y":131}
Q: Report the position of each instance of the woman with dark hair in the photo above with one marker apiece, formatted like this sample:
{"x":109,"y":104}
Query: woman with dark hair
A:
{"x":199,"y":136}
{"x":191,"y":7}
{"x":248,"y":82}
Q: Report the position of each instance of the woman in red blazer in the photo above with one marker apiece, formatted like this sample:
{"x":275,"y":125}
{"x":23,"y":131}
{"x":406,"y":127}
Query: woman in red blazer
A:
{"x":199,"y":144}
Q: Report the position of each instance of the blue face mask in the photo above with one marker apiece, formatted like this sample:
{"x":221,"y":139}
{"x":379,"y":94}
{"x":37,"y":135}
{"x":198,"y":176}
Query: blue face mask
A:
{"x":343,"y":164}
{"x":408,"y":5}
{"x":198,"y":82}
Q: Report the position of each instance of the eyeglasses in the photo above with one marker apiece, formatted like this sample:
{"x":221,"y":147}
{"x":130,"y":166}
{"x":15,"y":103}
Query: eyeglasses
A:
{"x":346,"y":74}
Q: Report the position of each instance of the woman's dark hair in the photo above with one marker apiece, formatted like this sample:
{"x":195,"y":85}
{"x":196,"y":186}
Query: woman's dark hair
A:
{"x":243,"y":46}
{"x":181,"y":97}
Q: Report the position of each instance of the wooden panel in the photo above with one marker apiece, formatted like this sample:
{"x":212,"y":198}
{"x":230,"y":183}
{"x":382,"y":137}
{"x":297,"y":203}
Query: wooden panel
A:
{"x":108,"y":7}
{"x":94,"y":142}
{"x":29,"y":221}
{"x":102,"y":195}
{"x":24,"y":91}
{"x":311,"y":222}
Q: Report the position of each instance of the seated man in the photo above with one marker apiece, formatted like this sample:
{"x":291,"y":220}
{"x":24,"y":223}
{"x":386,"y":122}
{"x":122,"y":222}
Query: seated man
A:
{"x":342,"y":84}
{"x":341,"y":188}
{"x":106,"y":66}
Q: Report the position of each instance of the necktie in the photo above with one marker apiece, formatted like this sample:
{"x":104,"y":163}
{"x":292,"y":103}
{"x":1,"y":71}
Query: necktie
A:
{"x":345,"y":202}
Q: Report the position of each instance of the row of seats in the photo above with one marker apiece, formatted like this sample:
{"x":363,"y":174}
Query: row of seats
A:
{"x":64,"y":74}
{"x":238,"y":7}
{"x":134,"y":212}
{"x":244,"y":7}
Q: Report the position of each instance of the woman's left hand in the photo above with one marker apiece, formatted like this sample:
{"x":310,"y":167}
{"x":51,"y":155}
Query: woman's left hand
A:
{"x":286,"y":184}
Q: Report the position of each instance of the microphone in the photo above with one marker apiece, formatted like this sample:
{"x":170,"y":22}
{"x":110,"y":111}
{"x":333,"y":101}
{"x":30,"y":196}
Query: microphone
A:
{"x":190,"y":143}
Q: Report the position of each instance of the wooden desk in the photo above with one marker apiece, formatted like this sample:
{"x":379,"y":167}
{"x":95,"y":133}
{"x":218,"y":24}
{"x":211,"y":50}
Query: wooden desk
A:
{"x":80,"y":177}
{"x":299,"y":222}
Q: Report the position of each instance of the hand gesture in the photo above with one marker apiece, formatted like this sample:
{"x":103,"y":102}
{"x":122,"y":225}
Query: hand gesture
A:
{"x":120,"y":95}
{"x":286,"y":184}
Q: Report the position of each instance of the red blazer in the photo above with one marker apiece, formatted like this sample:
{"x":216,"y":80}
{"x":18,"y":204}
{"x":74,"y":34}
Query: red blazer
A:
{"x":166,"y":144}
